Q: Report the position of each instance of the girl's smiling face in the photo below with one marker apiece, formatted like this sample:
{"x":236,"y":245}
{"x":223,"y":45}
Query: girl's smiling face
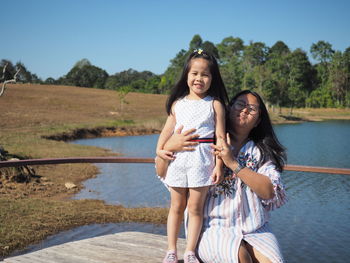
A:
{"x":199,"y":78}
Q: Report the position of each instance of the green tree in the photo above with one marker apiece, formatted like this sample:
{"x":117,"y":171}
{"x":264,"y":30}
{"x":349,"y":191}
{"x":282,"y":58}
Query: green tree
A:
{"x":87,"y":76}
{"x":322,"y":51}
{"x":255,"y":54}
{"x":230,"y":61}
{"x":10,"y":69}
{"x":24,"y":75}
{"x":122,"y":92}
{"x":339,"y":76}
{"x":173,"y":72}
{"x":228,"y":48}
{"x":276,"y":88}
{"x":50,"y":81}
{"x":299,"y":82}
{"x":278,"y":49}
{"x":195,"y":43}
{"x":210,"y":48}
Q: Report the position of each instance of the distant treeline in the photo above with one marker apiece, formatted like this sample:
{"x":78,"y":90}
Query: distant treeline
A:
{"x":284,"y":77}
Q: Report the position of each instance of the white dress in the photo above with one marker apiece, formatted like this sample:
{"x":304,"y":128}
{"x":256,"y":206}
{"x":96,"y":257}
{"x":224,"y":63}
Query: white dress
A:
{"x":193,"y":168}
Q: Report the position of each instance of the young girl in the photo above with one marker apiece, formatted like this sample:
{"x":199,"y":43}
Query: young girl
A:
{"x":197,"y":101}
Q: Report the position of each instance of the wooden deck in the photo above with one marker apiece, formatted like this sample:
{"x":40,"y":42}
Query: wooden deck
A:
{"x":119,"y":247}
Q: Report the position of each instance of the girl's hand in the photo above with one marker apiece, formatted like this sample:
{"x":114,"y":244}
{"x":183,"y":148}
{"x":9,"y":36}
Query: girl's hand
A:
{"x":165,"y":155}
{"x":181,"y":141}
{"x":217,"y":175}
{"x":223,"y":150}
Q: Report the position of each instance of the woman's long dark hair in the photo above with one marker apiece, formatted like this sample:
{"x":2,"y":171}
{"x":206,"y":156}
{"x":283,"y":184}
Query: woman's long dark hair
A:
{"x":217,"y":88}
{"x":264,"y":136}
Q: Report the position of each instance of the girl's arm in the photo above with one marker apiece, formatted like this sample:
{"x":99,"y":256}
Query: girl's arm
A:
{"x":163,"y":156}
{"x":167,"y":131}
{"x":220,"y":131}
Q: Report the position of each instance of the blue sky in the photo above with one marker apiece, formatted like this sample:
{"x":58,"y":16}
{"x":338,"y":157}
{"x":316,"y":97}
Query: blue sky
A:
{"x":50,"y":36}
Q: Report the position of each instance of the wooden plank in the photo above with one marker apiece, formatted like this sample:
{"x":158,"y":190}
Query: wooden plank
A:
{"x":16,"y":163}
{"x":119,"y":247}
{"x":317,"y":169}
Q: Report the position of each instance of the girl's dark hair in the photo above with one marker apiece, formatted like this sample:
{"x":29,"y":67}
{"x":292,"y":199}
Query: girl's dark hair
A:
{"x":217,"y":88}
{"x":263,"y":135}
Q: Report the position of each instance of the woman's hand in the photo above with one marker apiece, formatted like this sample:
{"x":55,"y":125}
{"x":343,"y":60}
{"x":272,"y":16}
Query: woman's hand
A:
{"x":223,"y":150}
{"x":181,"y":141}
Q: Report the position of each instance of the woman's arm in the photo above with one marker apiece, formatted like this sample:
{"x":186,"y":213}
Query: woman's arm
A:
{"x":259,"y":183}
{"x":179,"y":141}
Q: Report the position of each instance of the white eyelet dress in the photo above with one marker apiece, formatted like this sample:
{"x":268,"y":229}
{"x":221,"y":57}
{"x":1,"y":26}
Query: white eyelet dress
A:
{"x":193,"y":168}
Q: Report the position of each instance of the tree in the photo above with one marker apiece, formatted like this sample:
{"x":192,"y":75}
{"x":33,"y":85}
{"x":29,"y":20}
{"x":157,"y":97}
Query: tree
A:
{"x":195,"y":43}
{"x":152,"y":85}
{"x":82,"y":63}
{"x":210,"y":48}
{"x":87,"y":76}
{"x":322,"y":51}
{"x":50,"y":81}
{"x":276,"y":88}
{"x":230,"y":61}
{"x":254,"y":54}
{"x":173,"y":72}
{"x":10,"y":70}
{"x":122,"y":92}
{"x":299,"y":82}
{"x":24,"y":75}
{"x":339,"y":76}
{"x":230,"y":47}
{"x":278,"y":49}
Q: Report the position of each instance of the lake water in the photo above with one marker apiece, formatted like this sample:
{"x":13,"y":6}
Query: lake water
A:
{"x":314,"y":226}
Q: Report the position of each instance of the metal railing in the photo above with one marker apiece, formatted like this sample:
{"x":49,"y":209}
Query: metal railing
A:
{"x":17,"y":163}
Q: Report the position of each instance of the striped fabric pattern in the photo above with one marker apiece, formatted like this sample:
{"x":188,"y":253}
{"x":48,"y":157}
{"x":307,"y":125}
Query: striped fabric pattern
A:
{"x":239,"y":214}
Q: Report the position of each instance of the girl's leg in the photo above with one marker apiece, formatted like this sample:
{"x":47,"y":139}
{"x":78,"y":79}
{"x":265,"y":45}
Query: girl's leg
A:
{"x":195,"y":206}
{"x":177,"y":207}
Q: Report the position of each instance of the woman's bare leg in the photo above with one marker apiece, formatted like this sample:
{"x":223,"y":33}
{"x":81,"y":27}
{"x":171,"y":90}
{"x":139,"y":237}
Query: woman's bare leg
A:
{"x":243,"y":254}
{"x":257,"y":256}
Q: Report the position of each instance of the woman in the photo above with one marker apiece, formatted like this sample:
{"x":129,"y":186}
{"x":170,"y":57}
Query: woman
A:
{"x":235,"y":225}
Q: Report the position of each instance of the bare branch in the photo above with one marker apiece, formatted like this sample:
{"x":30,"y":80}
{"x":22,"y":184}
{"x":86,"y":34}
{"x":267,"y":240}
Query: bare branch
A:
{"x":8,"y":81}
{"x":3,"y":71}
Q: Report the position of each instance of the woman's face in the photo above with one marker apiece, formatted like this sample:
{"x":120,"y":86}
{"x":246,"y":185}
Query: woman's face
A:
{"x":245,"y":113}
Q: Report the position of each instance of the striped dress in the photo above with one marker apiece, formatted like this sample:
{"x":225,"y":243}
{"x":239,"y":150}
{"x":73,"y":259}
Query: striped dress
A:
{"x":233,"y":213}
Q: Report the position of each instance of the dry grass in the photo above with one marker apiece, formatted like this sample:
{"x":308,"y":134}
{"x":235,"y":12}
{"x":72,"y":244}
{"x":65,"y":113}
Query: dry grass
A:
{"x":30,"y":212}
{"x":30,"y":220}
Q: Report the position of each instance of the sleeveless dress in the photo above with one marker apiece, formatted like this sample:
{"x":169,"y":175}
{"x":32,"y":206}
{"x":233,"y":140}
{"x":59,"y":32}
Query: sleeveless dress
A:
{"x":193,"y":168}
